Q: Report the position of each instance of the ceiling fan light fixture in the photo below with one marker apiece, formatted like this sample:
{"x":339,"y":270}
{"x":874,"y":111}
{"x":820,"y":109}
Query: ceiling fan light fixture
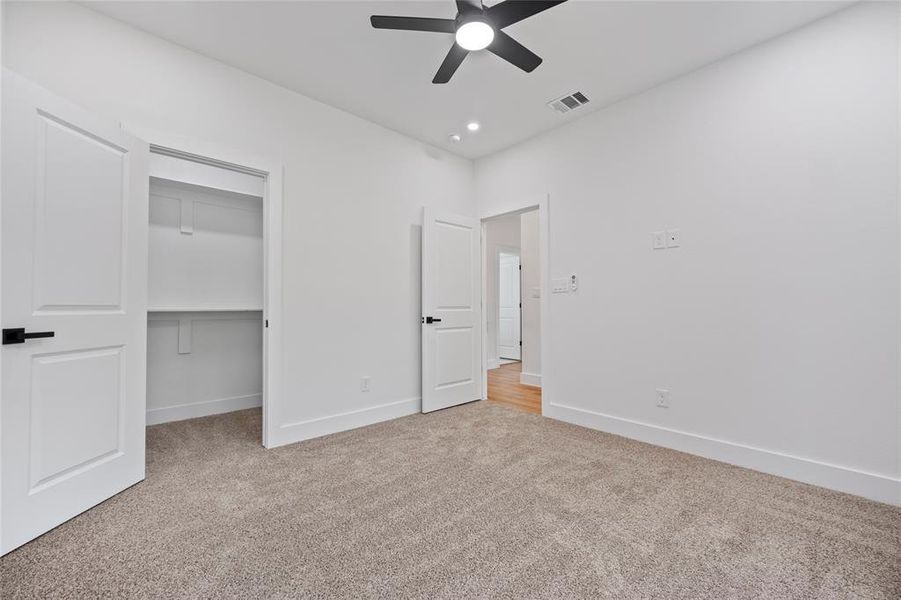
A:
{"x":476,"y":27}
{"x":475,"y":35}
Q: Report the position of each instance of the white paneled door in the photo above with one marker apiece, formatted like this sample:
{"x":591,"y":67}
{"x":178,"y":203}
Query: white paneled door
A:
{"x":509,"y":331}
{"x":74,"y":263}
{"x":451,"y":316}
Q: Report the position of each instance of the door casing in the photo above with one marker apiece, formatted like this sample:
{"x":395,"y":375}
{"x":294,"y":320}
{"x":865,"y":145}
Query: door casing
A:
{"x":543,"y":205}
{"x":272,"y":173}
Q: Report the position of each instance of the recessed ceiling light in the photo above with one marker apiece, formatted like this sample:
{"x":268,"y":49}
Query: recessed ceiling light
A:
{"x":473,"y":126}
{"x":454,"y":138}
{"x":475,"y":35}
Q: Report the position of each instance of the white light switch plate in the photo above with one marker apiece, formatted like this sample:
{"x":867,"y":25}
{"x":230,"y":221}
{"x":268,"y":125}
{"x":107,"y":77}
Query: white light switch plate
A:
{"x":659,"y":239}
{"x":560,"y":285}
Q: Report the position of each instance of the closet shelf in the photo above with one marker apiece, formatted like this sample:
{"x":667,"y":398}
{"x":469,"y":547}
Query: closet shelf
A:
{"x":169,"y":309}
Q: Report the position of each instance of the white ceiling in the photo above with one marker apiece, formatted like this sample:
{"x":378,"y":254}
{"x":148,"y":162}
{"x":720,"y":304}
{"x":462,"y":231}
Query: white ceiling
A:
{"x":329,"y":51}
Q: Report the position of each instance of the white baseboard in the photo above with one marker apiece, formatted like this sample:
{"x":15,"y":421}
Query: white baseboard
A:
{"x":493,"y":363}
{"x":313,"y":428}
{"x":874,"y":486}
{"x":181,"y":412}
{"x":533,"y":379}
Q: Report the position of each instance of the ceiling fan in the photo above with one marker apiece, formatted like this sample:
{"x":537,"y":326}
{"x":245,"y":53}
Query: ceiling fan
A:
{"x":476,"y":27}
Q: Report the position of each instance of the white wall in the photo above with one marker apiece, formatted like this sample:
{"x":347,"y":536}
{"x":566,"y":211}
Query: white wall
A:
{"x":210,"y":256}
{"x":354,"y":192}
{"x":531,"y":305}
{"x":214,"y":366}
{"x":502,"y":232}
{"x":776,"y":324}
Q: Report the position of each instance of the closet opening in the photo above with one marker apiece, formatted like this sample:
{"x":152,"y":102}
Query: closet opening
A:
{"x":207,"y":314}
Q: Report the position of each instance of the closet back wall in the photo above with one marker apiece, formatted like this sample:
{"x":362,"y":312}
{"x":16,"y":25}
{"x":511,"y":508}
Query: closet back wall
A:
{"x":353,"y":197}
{"x":205,"y":289}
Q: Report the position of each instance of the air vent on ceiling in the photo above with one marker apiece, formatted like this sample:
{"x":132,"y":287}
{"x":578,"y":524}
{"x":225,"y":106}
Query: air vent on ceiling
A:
{"x":568,"y":103}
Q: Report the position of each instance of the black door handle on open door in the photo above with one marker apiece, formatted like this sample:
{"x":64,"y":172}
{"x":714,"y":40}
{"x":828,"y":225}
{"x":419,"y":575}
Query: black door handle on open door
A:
{"x":17,"y":335}
{"x":430,"y":320}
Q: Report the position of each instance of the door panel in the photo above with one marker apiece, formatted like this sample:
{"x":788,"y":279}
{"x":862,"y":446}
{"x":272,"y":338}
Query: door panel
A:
{"x":79,"y":234}
{"x":451,"y":288}
{"x":74,"y":262}
{"x":453,"y":365}
{"x":80,"y":391}
{"x":453,"y":277}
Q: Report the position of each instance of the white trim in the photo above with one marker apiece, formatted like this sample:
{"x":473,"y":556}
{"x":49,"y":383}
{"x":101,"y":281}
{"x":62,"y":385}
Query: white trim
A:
{"x":543,"y":206}
{"x":313,"y":428}
{"x":486,"y":363}
{"x":874,"y":486}
{"x":203,"y":309}
{"x":532,"y":379}
{"x":898,"y":201}
{"x":544,"y":248}
{"x":166,"y":414}
{"x":273,"y":172}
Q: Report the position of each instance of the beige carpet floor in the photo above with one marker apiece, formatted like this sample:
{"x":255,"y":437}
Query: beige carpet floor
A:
{"x":478,"y":501}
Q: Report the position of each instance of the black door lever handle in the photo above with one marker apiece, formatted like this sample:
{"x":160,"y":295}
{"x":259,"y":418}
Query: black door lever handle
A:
{"x":17,"y":335}
{"x":430,"y":320}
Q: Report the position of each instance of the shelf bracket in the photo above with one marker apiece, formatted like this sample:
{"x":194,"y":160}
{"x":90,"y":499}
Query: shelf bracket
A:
{"x":187,"y":217}
{"x":184,"y":336}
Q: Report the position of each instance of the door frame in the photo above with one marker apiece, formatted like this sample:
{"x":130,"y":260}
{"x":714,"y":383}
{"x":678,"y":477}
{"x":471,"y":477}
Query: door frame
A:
{"x":271,"y":171}
{"x":497,"y":277}
{"x":543,"y":205}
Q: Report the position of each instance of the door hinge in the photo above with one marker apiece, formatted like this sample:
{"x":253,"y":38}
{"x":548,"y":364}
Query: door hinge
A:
{"x":267,"y":323}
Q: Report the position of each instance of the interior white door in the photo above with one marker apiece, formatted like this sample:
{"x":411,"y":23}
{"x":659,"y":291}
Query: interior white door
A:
{"x":451,"y":310}
{"x":74,"y":262}
{"x":509,"y":332}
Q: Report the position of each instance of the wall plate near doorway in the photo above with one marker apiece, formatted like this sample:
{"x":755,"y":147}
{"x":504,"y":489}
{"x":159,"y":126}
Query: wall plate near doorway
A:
{"x":560,"y":285}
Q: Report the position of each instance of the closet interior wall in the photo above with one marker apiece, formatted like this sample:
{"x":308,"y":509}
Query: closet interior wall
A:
{"x":205,"y":290}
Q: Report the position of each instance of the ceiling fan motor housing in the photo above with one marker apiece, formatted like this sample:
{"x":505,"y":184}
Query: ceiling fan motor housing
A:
{"x":469,"y":16}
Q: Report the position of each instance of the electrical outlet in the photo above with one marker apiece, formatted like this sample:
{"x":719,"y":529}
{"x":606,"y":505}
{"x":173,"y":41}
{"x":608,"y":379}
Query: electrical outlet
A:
{"x":662,"y":398}
{"x":673,"y":238}
{"x":364,"y":384}
{"x":659,"y":239}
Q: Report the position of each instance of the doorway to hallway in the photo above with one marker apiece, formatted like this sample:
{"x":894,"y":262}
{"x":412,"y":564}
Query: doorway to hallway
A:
{"x":505,"y":389}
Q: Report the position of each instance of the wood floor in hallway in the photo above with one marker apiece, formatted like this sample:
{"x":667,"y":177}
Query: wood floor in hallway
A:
{"x":504,"y":388}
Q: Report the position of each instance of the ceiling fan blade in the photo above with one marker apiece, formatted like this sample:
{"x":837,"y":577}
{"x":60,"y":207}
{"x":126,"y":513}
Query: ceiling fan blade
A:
{"x":413,"y":23}
{"x":514,"y":52}
{"x":451,"y":62}
{"x":513,"y":11}
{"x":468,"y":5}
